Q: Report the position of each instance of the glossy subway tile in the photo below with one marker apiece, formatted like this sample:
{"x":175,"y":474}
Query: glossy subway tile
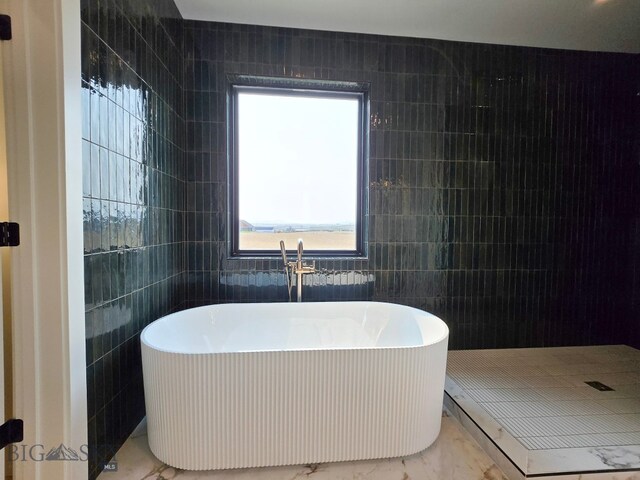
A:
{"x":492,"y":197}
{"x":502,"y":191}
{"x":133,"y":160}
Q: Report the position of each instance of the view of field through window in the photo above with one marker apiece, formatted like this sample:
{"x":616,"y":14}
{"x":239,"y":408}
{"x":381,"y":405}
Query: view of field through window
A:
{"x":297,"y":170}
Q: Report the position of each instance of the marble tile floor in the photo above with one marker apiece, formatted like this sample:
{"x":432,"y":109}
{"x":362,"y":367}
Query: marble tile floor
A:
{"x":535,"y":414}
{"x":453,"y":456}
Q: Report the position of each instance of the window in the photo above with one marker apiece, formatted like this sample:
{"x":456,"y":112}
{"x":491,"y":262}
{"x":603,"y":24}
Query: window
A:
{"x":297,"y":160}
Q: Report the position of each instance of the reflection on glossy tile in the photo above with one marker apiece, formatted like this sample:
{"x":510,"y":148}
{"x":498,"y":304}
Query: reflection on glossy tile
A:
{"x":133,"y":144}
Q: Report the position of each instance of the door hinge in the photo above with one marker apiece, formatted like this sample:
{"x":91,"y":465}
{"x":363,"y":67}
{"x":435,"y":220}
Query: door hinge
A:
{"x":9,"y":234}
{"x":5,"y":27}
{"x":12,"y":431}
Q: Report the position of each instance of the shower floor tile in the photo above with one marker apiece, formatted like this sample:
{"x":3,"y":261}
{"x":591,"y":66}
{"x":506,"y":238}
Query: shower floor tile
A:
{"x":533,"y":409}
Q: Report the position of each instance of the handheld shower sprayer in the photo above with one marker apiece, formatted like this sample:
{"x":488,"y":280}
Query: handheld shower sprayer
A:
{"x":284,"y":252}
{"x":287,"y":271}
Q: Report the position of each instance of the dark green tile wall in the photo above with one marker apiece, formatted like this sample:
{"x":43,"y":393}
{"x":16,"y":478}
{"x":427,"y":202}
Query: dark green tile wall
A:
{"x":502,"y":183}
{"x":133,"y":169}
{"x":632,"y":328}
{"x":503,"y":189}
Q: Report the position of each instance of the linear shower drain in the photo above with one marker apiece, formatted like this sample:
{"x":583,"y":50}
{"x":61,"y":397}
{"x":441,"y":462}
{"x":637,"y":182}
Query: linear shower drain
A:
{"x":599,"y":386}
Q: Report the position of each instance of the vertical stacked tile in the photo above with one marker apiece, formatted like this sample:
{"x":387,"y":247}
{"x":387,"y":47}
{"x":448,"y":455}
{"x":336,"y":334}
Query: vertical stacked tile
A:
{"x":133,"y":168}
{"x":502,"y":181}
{"x":632,"y":327}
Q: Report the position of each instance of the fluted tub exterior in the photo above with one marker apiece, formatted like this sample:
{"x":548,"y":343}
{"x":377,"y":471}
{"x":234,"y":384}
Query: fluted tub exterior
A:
{"x":248,"y":385}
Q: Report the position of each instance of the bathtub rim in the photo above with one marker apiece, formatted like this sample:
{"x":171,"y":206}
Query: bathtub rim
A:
{"x":444,"y":337}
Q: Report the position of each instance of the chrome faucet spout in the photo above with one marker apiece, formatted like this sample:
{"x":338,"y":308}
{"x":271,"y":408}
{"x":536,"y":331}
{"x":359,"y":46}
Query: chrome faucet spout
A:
{"x":300,"y":250}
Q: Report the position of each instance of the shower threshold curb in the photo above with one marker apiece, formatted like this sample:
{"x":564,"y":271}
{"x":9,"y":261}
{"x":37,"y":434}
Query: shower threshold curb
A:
{"x":516,"y":460}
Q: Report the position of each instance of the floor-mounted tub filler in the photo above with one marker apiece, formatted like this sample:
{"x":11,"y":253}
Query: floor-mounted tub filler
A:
{"x":247,"y":385}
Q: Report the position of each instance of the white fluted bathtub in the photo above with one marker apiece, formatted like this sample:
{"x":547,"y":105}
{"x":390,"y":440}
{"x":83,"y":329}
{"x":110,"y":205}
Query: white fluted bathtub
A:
{"x":247,"y":385}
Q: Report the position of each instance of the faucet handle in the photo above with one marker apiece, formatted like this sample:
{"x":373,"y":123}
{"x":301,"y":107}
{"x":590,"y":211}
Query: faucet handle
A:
{"x":309,"y":268}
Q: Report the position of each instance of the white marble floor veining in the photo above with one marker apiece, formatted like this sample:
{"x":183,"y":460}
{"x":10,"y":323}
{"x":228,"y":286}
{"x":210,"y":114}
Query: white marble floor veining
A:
{"x":453,"y":456}
{"x":536,"y":407}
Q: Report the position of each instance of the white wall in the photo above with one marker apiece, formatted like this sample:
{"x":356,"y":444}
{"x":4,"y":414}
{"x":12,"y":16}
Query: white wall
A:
{"x":601,"y":25}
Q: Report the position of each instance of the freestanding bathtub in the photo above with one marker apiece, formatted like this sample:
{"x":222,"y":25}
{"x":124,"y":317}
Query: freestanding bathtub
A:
{"x":247,"y":385}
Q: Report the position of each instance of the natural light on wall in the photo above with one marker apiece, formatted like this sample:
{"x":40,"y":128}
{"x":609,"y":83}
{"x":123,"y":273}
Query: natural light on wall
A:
{"x":297,"y":170}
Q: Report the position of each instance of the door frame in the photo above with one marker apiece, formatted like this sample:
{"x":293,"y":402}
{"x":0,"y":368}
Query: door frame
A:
{"x":42,"y":73}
